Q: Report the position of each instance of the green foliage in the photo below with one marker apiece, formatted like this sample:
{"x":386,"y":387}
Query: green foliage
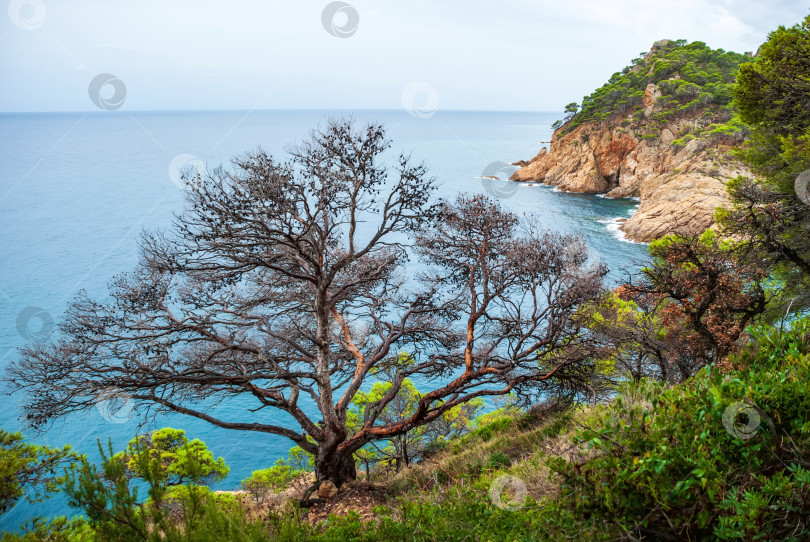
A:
{"x":170,"y":455}
{"x":683,"y":141}
{"x":690,"y":76}
{"x":735,"y":128}
{"x":498,"y":460}
{"x":461,"y":515}
{"x":487,"y":427}
{"x":175,"y":508}
{"x":773,"y":90}
{"x":772,"y":95}
{"x":281,"y":475}
{"x":658,"y":463}
{"x":272,"y":480}
{"x":401,"y":450}
{"x":665,"y":462}
{"x":29,"y":468}
{"x":59,"y":529}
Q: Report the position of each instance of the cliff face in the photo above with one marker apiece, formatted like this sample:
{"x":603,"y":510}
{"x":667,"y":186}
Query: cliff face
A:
{"x":679,"y":188}
{"x":633,"y":155}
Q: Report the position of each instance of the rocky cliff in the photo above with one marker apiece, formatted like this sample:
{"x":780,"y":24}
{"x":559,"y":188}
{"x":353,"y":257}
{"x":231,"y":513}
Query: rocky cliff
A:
{"x":677,"y":163}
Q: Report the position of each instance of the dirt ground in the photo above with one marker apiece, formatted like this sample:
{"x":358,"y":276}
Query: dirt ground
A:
{"x":360,"y":497}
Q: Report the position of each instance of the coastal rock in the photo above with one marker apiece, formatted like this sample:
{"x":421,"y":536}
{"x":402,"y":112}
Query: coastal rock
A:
{"x":327,"y":490}
{"x":679,"y":186}
{"x":651,"y":94}
{"x":684,"y":204}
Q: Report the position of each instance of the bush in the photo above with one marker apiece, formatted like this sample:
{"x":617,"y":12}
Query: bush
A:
{"x":59,"y":529}
{"x":169,"y":469}
{"x":684,"y":463}
{"x":460,"y":515}
{"x":678,"y":143}
{"x":273,"y":480}
{"x":498,"y":460}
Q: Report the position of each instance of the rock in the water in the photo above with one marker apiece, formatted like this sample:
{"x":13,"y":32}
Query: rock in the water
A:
{"x":327,"y":490}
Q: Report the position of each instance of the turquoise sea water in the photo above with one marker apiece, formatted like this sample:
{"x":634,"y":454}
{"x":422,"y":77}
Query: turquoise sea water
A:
{"x":76,"y":190}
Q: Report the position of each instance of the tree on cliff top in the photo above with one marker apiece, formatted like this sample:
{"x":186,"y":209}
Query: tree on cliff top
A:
{"x":683,"y":72}
{"x":267,"y":289}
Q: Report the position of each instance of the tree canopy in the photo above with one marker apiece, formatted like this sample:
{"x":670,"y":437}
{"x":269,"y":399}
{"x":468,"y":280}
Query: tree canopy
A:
{"x":29,"y":469}
{"x":688,"y":75}
{"x":773,"y":95}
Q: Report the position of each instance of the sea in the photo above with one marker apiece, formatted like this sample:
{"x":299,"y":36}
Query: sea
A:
{"x":77,"y":190}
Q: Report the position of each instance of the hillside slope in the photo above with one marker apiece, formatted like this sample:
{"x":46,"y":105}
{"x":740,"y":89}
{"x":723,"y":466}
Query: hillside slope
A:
{"x":660,"y":131}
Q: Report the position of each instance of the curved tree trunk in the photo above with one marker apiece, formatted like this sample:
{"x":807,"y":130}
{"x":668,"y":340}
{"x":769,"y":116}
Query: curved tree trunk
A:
{"x":336,"y":468}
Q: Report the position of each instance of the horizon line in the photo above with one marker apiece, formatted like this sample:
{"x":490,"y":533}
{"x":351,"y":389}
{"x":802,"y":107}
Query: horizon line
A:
{"x":290,"y":110}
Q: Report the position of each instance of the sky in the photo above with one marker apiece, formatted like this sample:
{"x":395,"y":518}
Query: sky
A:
{"x":506,"y":55}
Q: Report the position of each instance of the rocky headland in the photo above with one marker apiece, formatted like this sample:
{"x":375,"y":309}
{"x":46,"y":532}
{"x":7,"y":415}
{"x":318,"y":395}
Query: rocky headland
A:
{"x":669,"y":146}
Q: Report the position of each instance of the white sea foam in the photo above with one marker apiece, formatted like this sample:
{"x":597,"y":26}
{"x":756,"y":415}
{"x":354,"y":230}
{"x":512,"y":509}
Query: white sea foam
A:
{"x":612,"y":225}
{"x":605,"y":196}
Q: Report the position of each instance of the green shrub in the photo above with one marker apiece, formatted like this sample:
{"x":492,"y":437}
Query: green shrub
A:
{"x":460,"y":515}
{"x":498,"y":460}
{"x":679,"y":143}
{"x":675,"y":468}
{"x":152,"y":492}
{"x":59,"y":529}
{"x":263,"y":482}
{"x":174,"y":458}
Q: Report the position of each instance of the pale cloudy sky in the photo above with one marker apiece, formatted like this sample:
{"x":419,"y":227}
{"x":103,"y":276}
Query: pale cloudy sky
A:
{"x":266,"y":54}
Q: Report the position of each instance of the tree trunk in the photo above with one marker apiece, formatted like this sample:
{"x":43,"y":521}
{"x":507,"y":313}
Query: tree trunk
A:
{"x":336,"y":468}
